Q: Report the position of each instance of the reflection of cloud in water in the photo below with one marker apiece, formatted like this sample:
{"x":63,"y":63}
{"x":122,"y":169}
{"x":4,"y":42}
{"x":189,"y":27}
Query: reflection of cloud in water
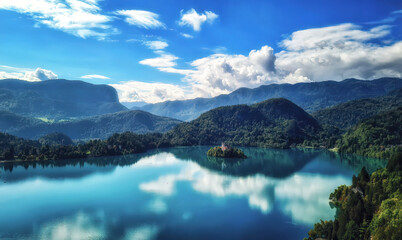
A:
{"x":255,"y":188}
{"x":79,"y":226}
{"x":157,"y":206}
{"x":157,"y":160}
{"x":165,"y":185}
{"x":303,"y":197}
{"x":145,"y":232}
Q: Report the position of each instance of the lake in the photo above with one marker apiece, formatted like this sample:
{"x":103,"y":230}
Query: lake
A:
{"x":174,"y":193}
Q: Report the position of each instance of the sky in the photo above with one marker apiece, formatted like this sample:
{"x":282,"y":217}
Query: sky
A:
{"x":158,"y":50}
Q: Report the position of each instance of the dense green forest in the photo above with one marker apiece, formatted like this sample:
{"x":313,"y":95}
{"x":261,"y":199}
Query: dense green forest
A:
{"x":276,"y":123}
{"x":14,"y":148}
{"x":230,"y":152}
{"x":346,"y":115}
{"x":379,"y":136}
{"x":371,"y":208}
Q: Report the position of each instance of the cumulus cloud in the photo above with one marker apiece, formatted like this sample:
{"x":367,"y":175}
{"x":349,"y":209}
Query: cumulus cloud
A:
{"x":340,"y":52}
{"x":94,"y":76}
{"x":195,"y":20}
{"x":141,"y":18}
{"x":81,"y":18}
{"x":39,"y":74}
{"x":135,"y":91}
{"x":224,"y":73}
{"x":318,"y":54}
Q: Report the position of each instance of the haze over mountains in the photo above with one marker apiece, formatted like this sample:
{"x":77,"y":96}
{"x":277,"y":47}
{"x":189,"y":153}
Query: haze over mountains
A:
{"x":100,"y":127}
{"x":310,"y":96}
{"x":58,"y":99}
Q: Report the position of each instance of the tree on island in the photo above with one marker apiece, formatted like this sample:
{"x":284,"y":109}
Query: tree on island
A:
{"x":226,"y":152}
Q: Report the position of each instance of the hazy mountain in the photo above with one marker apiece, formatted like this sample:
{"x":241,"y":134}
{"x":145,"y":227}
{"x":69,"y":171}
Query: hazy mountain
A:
{"x":92,"y":127}
{"x":57,"y":99}
{"x":310,"y":96}
{"x":350,"y":113}
{"x":272,"y":123}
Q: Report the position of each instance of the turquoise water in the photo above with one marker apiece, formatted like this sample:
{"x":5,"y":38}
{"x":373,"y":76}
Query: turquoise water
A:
{"x":174,"y":193}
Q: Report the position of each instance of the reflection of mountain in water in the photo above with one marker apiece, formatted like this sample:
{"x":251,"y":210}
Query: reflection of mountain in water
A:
{"x":276,"y":163}
{"x":63,"y":169}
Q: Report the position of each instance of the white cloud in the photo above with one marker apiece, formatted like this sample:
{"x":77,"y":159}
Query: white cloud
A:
{"x":165,"y":60}
{"x":156,"y":45}
{"x":94,"y":76}
{"x":329,"y":53}
{"x":193,"y":19}
{"x":135,"y":91}
{"x":339,"y":52}
{"x":39,"y":74}
{"x":186,"y":35}
{"x":140,"y":18}
{"x":81,"y":18}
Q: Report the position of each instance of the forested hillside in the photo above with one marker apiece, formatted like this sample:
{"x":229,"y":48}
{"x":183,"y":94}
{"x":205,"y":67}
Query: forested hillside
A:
{"x":350,"y":113}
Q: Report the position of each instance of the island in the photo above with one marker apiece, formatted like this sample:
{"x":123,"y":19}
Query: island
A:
{"x":226,"y":152}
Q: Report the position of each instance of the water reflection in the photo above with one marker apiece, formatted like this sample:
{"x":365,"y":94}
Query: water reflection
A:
{"x":172,"y":193}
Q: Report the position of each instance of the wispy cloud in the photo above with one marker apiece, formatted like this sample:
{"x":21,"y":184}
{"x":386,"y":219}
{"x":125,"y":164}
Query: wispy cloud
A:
{"x":390,"y":19}
{"x":82,"y":18}
{"x":156,"y":45}
{"x":186,"y":35}
{"x":94,"y":76}
{"x":141,"y":18}
{"x":165,"y":60}
{"x":195,"y":20}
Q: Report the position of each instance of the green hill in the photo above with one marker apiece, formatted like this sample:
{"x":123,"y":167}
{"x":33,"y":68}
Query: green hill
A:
{"x":272,"y":123}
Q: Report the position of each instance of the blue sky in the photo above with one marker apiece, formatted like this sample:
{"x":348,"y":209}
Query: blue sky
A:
{"x":164,"y":50}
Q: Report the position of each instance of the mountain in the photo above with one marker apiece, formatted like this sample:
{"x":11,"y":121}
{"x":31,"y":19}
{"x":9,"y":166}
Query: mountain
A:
{"x":101,"y":126}
{"x":272,"y":123}
{"x":379,"y":136}
{"x":310,"y":96}
{"x":350,"y":113}
{"x":57,"y":99}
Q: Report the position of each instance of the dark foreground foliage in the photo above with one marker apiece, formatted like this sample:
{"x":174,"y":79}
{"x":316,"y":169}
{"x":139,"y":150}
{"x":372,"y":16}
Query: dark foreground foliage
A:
{"x":369,"y":209}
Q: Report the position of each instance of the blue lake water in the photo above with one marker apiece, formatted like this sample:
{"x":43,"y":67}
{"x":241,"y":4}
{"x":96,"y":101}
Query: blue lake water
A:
{"x":173,"y":193}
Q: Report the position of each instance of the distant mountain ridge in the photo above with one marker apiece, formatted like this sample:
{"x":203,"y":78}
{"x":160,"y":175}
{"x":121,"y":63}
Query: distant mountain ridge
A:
{"x":101,"y":126}
{"x":310,"y":96}
{"x":58,"y":99}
